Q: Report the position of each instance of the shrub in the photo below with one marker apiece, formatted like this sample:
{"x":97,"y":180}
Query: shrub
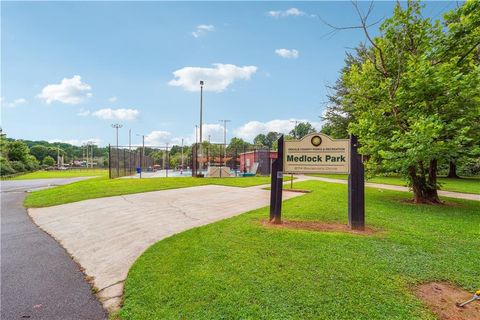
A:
{"x":32,"y":164}
{"x":5,"y":167}
{"x":18,"y":166}
{"x":49,"y":161}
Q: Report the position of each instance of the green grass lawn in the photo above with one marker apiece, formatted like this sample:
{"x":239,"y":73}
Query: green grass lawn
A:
{"x":465,"y":184}
{"x":239,"y":269}
{"x":71,"y":173}
{"x":104,"y":187}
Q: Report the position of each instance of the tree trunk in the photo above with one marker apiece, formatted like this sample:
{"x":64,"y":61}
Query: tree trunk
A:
{"x":425,"y":190}
{"x":452,"y":170}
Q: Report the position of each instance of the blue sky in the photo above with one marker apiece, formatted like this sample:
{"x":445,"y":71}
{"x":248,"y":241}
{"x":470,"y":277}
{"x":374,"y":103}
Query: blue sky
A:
{"x":71,"y":69}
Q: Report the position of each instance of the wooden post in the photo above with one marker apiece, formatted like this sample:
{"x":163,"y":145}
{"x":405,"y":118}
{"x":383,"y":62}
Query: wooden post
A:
{"x":356,"y":188}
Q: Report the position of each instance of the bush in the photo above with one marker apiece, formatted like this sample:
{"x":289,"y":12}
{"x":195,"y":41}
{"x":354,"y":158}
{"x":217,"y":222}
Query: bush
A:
{"x":49,"y":161}
{"x":18,"y":166}
{"x":32,"y":164}
{"x":5,"y":167}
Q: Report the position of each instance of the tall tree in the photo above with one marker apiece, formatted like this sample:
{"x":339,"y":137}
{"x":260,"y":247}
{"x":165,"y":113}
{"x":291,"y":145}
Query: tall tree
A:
{"x":302,"y":129}
{"x":412,"y":104}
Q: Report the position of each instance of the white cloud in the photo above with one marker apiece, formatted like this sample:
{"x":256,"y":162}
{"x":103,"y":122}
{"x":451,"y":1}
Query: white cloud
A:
{"x":77,"y":142}
{"x":115,"y":114}
{"x":112,"y":99}
{"x":69,"y":91}
{"x":14,"y":103}
{"x":294,"y":12}
{"x":288,"y":54}
{"x":253,"y":128}
{"x":202,"y":30}
{"x":83,"y":113}
{"x":158,"y":138}
{"x":216,"y":79}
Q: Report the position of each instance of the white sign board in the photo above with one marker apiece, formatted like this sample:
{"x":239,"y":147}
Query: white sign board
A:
{"x":316,"y":153}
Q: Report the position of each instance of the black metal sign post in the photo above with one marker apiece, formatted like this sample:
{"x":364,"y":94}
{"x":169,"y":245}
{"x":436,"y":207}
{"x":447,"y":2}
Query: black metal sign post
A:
{"x":276,"y":186}
{"x":356,"y":188}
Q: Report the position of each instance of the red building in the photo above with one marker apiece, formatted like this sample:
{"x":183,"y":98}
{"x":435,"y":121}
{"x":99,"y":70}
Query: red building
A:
{"x":257,"y":161}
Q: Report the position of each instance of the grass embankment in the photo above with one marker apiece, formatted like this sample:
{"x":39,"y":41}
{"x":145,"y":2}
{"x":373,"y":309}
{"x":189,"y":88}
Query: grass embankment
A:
{"x":465,"y":184}
{"x":71,"y":173}
{"x":104,"y":187}
{"x":240,"y":269}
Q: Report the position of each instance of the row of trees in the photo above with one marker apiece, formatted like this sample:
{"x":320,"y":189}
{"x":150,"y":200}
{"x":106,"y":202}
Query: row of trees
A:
{"x":412,"y":95}
{"x":15,"y":157}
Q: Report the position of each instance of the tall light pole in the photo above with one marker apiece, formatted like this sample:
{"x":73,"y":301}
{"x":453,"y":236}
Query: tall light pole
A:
{"x":116,"y":126}
{"x":196,"y":150}
{"x":182,"y":154}
{"x":225,"y":139}
{"x":201,"y":120}
{"x":201,"y":109}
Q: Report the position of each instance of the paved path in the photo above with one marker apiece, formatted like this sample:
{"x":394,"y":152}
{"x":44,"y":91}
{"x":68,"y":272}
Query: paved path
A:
{"x":450,"y":194}
{"x":39,"y":280}
{"x":107,"y":235}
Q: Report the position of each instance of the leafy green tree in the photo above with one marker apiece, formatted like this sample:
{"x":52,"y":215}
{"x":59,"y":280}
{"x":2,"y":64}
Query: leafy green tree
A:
{"x":32,"y":163}
{"x":39,"y":151}
{"x":17,"y":151}
{"x":237,"y":144}
{"x":302,"y":129}
{"x":261,"y":139}
{"x":18,"y":166}
{"x":413,"y":106}
{"x":5,"y":167}
{"x":49,"y":161}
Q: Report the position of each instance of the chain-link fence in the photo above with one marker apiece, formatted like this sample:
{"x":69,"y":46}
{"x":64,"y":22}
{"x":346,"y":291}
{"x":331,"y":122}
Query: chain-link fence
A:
{"x":125,"y":161}
{"x":213,"y":160}
{"x":216,"y":160}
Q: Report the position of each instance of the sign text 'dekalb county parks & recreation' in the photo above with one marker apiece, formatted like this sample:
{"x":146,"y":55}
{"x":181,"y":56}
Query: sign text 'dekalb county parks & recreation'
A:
{"x":316,"y":153}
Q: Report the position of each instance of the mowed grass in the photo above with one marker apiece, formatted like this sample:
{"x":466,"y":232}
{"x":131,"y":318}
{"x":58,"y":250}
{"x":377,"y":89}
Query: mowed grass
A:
{"x":104,"y":187}
{"x":464,"y":184}
{"x":240,"y":269}
{"x":71,"y":173}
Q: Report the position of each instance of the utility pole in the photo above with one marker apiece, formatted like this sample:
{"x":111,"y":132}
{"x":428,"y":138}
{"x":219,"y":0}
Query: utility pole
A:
{"x":225,"y":139}
{"x":129,"y":139}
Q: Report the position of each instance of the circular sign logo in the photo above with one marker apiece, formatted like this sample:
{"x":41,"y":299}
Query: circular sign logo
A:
{"x":316,"y":141}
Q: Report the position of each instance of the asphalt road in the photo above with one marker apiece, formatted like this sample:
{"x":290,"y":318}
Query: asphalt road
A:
{"x":39,"y":280}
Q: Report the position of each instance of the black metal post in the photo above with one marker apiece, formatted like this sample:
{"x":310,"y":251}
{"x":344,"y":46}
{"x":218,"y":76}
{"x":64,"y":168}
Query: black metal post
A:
{"x":356,"y":188}
{"x":279,"y":184}
{"x":273,"y":188}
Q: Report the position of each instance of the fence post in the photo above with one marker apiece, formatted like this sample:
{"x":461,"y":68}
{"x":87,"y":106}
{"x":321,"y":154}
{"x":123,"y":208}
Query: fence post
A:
{"x":109,"y":162}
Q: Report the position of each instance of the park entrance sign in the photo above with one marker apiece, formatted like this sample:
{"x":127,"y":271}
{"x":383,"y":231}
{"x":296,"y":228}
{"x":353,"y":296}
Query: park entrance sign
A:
{"x":318,"y":153}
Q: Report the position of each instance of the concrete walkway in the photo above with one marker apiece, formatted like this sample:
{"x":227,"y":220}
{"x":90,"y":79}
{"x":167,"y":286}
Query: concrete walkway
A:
{"x":450,"y":194}
{"x":107,"y":235}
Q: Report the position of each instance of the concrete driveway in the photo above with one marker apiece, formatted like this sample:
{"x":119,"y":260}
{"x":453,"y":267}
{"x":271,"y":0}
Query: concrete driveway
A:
{"x":105,"y":236}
